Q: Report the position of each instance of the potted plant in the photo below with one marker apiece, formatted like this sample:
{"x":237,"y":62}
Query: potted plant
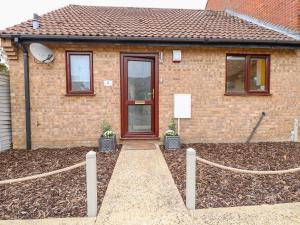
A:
{"x":107,"y":141}
{"x":172,"y":139}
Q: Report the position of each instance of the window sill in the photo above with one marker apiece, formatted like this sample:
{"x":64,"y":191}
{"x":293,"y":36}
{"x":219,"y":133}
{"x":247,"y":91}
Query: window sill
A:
{"x":80,"y":94}
{"x":247,"y":94}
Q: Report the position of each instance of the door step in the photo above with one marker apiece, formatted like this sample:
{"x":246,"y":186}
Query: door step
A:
{"x":140,"y":138}
{"x":139,"y":146}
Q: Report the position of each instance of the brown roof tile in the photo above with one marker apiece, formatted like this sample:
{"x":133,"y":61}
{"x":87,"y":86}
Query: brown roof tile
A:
{"x":99,"y":21}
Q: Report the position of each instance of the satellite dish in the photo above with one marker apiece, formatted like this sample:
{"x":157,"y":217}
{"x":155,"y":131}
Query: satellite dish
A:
{"x":41,"y":53}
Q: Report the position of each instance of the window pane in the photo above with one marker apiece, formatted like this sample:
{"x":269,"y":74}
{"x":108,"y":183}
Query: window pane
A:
{"x":139,"y":80}
{"x":80,"y":72}
{"x":235,"y":74}
{"x":257,"y":74}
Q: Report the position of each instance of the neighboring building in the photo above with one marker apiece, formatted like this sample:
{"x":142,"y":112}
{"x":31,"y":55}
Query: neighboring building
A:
{"x":3,"y":57}
{"x":3,"y":62}
{"x":282,"y":12}
{"x":116,"y":64}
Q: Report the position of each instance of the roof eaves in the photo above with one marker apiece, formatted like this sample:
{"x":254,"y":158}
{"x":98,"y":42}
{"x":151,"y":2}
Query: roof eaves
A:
{"x":267,"y":25}
{"x":154,"y":40}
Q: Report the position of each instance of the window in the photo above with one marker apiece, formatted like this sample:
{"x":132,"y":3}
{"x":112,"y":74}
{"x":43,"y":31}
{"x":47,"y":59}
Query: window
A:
{"x":247,"y":74}
{"x":80,"y":73}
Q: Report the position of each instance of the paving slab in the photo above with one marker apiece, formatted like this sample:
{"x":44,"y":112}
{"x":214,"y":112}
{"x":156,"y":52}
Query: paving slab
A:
{"x":52,"y":221}
{"x":279,"y":214}
{"x":142,"y":191}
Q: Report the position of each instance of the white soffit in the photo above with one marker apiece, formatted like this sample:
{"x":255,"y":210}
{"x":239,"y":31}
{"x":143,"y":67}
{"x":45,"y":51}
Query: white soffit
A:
{"x":265,"y":24}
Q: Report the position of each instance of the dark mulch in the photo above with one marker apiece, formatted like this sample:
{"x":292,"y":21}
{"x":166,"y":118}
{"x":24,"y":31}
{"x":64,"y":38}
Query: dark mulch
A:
{"x":21,"y":163}
{"x":60,"y":195}
{"x":220,"y":188}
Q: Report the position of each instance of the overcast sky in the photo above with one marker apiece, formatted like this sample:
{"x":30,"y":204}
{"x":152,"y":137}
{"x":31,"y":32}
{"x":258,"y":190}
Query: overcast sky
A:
{"x":16,"y":11}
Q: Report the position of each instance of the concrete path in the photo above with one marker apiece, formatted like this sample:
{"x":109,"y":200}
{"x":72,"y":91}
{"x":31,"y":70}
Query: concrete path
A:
{"x":279,"y":214}
{"x":142,"y":192}
{"x":52,"y":221}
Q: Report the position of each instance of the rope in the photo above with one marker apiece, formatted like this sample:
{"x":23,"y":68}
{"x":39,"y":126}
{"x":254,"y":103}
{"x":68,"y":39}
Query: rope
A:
{"x":257,"y":172}
{"x":10,"y":181}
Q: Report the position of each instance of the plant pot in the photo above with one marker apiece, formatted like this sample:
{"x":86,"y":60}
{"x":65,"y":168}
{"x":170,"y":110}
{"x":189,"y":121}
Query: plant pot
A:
{"x":172,"y":142}
{"x":107,"y":144}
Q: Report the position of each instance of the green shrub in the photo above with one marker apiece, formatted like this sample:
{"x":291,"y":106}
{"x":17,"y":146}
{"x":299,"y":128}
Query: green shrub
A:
{"x":105,"y":126}
{"x":171,"y":129}
{"x":172,"y":125}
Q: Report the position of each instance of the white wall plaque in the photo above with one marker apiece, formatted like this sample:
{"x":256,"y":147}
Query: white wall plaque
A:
{"x":182,"y":106}
{"x":176,"y":55}
{"x":108,"y":83}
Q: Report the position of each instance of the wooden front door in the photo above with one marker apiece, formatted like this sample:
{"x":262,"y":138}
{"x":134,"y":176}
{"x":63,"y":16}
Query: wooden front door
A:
{"x":139,"y":96}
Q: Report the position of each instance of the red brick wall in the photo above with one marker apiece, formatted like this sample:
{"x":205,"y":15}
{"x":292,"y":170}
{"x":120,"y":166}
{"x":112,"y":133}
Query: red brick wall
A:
{"x":281,"y":12}
{"x":58,"y":120}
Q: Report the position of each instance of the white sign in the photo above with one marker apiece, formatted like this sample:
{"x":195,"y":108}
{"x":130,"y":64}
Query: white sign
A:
{"x":108,"y":83}
{"x":176,"y":55}
{"x":182,"y":106}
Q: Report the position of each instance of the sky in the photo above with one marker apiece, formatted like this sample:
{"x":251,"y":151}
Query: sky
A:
{"x":16,"y":11}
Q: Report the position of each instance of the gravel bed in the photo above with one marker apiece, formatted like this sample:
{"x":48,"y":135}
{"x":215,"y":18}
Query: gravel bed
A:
{"x":60,"y":195}
{"x":220,"y":188}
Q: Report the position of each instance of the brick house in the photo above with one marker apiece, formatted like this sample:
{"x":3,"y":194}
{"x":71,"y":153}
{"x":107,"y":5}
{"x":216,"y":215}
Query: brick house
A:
{"x":285,"y":13}
{"x":117,"y":64}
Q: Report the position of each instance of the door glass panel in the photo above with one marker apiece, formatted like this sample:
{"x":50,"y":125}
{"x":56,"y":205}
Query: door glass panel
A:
{"x":139,"y":118}
{"x":139,"y":80}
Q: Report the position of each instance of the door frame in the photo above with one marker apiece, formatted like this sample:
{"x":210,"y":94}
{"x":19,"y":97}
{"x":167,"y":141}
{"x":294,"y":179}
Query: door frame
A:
{"x":155,"y":57}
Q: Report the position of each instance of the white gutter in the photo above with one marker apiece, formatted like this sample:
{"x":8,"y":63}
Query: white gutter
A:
{"x":265,"y":24}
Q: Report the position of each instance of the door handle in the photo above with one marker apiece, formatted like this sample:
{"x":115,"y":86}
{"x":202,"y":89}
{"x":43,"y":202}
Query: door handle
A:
{"x":152,"y":93}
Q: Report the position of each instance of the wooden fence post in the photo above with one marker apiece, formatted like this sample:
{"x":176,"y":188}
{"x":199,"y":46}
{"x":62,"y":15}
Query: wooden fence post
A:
{"x":190,"y":178}
{"x":91,"y":183}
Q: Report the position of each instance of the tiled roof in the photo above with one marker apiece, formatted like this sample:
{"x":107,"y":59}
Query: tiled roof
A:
{"x":125,"y":22}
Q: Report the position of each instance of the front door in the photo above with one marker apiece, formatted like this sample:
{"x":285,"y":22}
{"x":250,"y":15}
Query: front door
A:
{"x":139,"y":95}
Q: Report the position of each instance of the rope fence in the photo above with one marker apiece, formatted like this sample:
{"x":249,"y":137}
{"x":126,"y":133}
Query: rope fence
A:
{"x":256,"y":172}
{"x":191,"y":160}
{"x":10,"y":181}
{"x":91,"y":180}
